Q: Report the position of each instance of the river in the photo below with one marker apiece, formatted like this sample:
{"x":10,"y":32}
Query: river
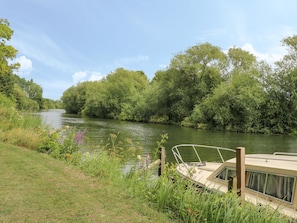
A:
{"x":147,"y":134}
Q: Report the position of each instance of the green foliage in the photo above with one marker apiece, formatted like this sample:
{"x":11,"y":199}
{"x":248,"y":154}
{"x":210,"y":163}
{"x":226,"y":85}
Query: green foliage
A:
{"x":160,"y":144}
{"x":23,"y":102}
{"x":6,"y":102}
{"x":69,"y":101}
{"x":279,"y":111}
{"x":99,"y":164}
{"x":241,"y":61}
{"x":168,"y":97}
{"x":27,"y":92}
{"x":17,"y":128}
{"x":191,"y":76}
{"x":51,"y":104}
{"x":121,"y":151}
{"x":62,"y":143}
{"x":234,"y":105}
{"x":6,"y":53}
{"x":67,"y":143}
{"x":203,"y":87}
{"x":9,"y":116}
{"x":118,"y":96}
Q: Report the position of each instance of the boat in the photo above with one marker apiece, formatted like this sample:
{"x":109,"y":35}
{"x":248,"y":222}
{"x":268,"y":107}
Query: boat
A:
{"x":270,"y":179}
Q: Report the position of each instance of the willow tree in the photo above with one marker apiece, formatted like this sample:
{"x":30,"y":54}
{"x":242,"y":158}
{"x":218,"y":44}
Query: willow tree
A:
{"x":165,"y":98}
{"x":69,"y":100}
{"x":235,"y":103}
{"x":281,"y":107}
{"x":7,"y":54}
{"x":30,"y":90}
{"x":118,"y":95}
{"x":191,"y":76}
{"x":74,"y":98}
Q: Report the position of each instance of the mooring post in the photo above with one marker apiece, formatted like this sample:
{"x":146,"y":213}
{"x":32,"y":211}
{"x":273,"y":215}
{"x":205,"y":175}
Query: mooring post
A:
{"x":162,"y":156}
{"x":240,"y":172}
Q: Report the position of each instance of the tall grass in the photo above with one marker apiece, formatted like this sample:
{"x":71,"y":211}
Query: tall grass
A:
{"x":28,"y":138}
{"x":17,"y":128}
{"x":99,"y":164}
{"x":189,"y":204}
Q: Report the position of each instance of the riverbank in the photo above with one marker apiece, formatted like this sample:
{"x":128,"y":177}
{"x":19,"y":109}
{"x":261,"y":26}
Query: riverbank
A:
{"x":38,"y":188}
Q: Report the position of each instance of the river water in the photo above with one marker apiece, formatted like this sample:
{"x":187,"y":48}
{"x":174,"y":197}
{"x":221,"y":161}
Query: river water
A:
{"x":147,"y":134}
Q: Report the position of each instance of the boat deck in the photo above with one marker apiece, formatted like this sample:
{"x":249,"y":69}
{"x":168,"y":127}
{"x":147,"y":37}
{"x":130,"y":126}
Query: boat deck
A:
{"x":278,"y":166}
{"x":200,"y":174}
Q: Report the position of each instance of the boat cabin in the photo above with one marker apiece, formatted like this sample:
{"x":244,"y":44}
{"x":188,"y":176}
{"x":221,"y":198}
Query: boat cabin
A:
{"x":270,"y":179}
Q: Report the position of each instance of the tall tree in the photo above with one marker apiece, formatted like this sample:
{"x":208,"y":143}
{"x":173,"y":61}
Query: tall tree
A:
{"x":235,"y":104}
{"x":281,"y":102}
{"x":121,"y":87}
{"x":118,"y":96}
{"x":69,"y":100}
{"x":32,"y":90}
{"x":7,"y":53}
{"x":191,"y":76}
{"x":241,"y":60}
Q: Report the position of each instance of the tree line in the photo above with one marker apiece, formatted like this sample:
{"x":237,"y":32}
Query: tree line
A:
{"x":26,"y":94}
{"x":203,"y":87}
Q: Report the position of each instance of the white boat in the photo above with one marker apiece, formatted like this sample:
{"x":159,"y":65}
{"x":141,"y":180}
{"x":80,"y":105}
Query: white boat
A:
{"x":270,"y":179}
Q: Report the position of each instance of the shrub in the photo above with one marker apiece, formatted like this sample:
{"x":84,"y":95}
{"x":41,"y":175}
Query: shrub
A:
{"x":62,"y":143}
{"x":9,"y":116}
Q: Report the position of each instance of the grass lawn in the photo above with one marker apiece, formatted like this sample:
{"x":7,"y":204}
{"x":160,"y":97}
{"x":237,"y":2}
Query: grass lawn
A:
{"x":37,"y":188}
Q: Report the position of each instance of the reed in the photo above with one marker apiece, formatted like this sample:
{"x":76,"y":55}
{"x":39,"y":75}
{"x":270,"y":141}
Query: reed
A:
{"x":99,"y":164}
{"x":30,"y":121}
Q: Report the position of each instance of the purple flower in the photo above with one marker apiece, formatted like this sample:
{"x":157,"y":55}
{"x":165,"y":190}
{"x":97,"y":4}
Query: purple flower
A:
{"x":79,"y":137}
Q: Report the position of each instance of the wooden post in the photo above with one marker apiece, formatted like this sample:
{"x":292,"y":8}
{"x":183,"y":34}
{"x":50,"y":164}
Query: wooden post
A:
{"x":162,"y":155}
{"x":240,"y":172}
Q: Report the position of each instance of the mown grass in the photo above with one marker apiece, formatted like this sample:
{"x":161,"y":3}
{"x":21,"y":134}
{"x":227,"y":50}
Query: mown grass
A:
{"x":37,"y":188}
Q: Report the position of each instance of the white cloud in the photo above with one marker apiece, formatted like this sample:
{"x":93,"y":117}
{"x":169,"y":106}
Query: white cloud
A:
{"x":79,"y":76}
{"x":96,"y":76}
{"x":25,"y":65}
{"x":273,"y":54}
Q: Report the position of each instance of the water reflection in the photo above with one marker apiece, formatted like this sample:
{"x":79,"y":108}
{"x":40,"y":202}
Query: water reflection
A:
{"x":147,"y":135}
{"x":52,"y":117}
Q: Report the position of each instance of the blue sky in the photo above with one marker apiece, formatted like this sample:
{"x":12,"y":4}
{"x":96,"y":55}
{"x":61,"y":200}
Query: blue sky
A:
{"x":63,"y":42}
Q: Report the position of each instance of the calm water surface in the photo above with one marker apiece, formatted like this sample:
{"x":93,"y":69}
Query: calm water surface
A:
{"x":147,"y":135}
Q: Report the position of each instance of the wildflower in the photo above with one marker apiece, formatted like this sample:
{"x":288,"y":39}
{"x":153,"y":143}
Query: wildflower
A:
{"x":147,"y":159}
{"x":79,"y":137}
{"x":68,"y":156}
